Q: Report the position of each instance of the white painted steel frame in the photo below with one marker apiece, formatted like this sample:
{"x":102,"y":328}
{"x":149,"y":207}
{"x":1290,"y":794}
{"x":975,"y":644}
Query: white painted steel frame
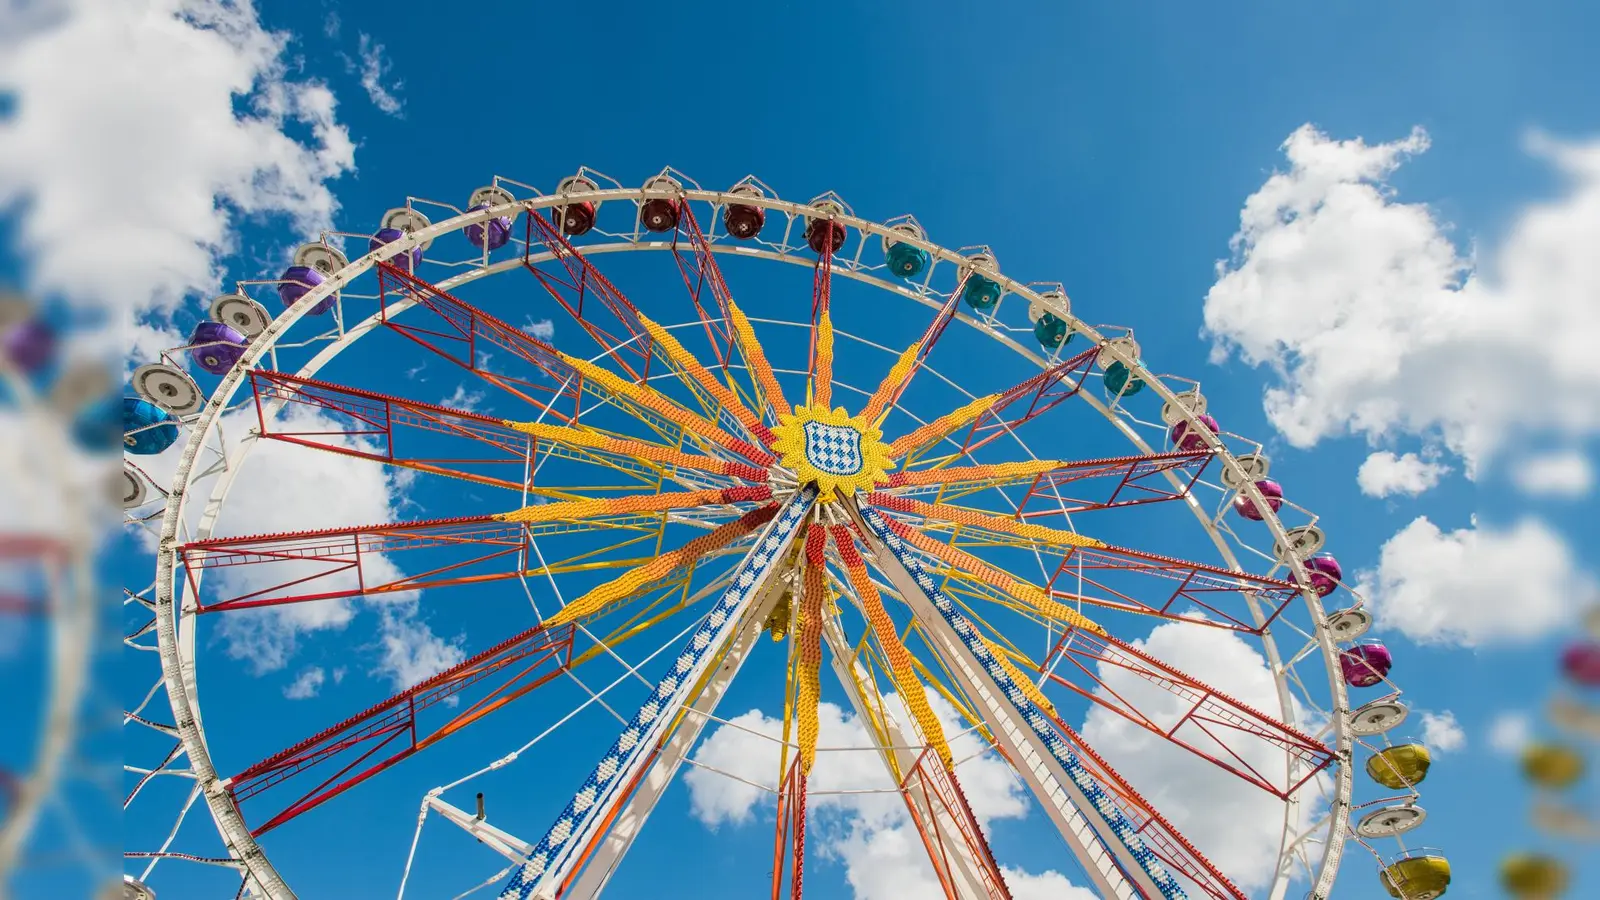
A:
{"x":177,"y":649}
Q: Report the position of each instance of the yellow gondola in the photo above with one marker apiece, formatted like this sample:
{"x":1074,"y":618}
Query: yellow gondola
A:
{"x":1417,"y":875}
{"x":1400,"y":766}
{"x":1531,"y":876}
{"x":1552,"y":765}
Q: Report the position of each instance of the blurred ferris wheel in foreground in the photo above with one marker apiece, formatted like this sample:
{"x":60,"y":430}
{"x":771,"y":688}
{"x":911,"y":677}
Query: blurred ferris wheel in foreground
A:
{"x":695,"y":476}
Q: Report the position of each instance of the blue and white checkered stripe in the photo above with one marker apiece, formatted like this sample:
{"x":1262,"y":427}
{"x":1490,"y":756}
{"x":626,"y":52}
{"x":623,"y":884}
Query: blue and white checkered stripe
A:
{"x":1030,"y":713}
{"x":835,"y":449}
{"x":663,"y":703}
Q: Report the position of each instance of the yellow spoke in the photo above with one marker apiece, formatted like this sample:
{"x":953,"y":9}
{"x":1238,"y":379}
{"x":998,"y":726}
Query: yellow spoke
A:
{"x":651,"y":400}
{"x":899,"y":658}
{"x":889,"y":389}
{"x":636,"y":580}
{"x":940,"y":428}
{"x":822,"y":385}
{"x":756,"y":358}
{"x":688,"y":363}
{"x":594,"y":440}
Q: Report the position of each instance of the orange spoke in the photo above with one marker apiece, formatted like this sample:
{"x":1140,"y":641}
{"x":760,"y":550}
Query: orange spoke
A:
{"x":672,"y":412}
{"x":594,"y":440}
{"x":809,"y":690}
{"x":941,"y":427}
{"x":1001,"y":580}
{"x":681,"y":359}
{"x":889,"y":389}
{"x":581,"y":509}
{"x":960,"y":515}
{"x":631,"y":582}
{"x":756,"y":358}
{"x":883,"y":628}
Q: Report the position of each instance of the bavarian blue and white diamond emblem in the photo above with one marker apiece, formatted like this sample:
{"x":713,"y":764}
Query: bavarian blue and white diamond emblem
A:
{"x":833,"y":449}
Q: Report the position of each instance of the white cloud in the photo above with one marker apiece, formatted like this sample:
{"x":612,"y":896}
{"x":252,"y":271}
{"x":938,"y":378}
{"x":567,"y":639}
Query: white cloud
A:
{"x":463,"y":399}
{"x":1442,"y":733}
{"x":307,"y":684}
{"x":143,"y":129}
{"x":1375,"y":324}
{"x":1236,"y":825}
{"x":331,"y":24}
{"x":411,"y":652}
{"x":1475,"y":586}
{"x":1383,"y":474}
{"x":1045,"y":886}
{"x":1567,"y":473}
{"x":543,"y":330}
{"x":1510,"y":732}
{"x":285,"y":487}
{"x":374,"y":68}
{"x":883,"y":857}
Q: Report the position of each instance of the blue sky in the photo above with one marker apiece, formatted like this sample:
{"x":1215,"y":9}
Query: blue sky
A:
{"x":1425,"y":294}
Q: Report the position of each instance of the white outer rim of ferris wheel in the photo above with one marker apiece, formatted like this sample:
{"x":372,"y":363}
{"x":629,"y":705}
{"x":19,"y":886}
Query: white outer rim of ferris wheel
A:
{"x":72,"y":635}
{"x":178,"y":672}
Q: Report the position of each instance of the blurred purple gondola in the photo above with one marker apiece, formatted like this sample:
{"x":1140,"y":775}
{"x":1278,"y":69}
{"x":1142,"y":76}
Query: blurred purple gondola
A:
{"x":1184,"y":439}
{"x":1325,"y":574}
{"x":491,"y":234}
{"x":1366,"y":664}
{"x":1270,"y":490}
{"x":216,"y":347}
{"x":29,"y":344}
{"x":406,"y":262}
{"x":1581,"y":663}
{"x":298,"y":281}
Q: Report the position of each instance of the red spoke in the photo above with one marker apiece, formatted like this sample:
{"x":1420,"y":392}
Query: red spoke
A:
{"x":1032,"y":398}
{"x":464,"y":334}
{"x":496,"y":445}
{"x":362,"y":744}
{"x":583,"y":287}
{"x":1212,"y":713}
{"x":339,"y":563}
{"x":1098,"y":569}
{"x":912,"y":359}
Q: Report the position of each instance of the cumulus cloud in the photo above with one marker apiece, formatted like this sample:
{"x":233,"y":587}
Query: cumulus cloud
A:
{"x":874,"y":840}
{"x":285,"y":487}
{"x":1236,"y":825}
{"x":307,"y":684}
{"x":464,"y":399}
{"x":1475,"y":586}
{"x":142,"y":131}
{"x":1510,"y":732}
{"x":1374,"y":323}
{"x":373,"y":68}
{"x":1384,"y":474}
{"x":1441,"y":732}
{"x":543,"y":329}
{"x":1566,"y":473}
{"x":410,"y":651}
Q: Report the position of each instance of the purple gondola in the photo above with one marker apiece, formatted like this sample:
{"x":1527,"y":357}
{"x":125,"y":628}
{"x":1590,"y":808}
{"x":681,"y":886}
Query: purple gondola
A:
{"x":1365,"y":664}
{"x":1270,"y":490}
{"x":216,"y":347}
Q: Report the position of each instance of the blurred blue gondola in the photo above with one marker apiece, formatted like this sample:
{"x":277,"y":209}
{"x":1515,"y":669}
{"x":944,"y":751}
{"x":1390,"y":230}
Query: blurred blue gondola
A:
{"x":147,"y":429}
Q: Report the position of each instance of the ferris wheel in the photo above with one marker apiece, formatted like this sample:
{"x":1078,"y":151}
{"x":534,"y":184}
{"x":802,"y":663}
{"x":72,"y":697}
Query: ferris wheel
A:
{"x":53,"y":469}
{"x":936,"y":481}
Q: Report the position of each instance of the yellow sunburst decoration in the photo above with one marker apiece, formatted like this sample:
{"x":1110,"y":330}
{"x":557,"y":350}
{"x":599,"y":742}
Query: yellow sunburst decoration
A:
{"x":841,"y":453}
